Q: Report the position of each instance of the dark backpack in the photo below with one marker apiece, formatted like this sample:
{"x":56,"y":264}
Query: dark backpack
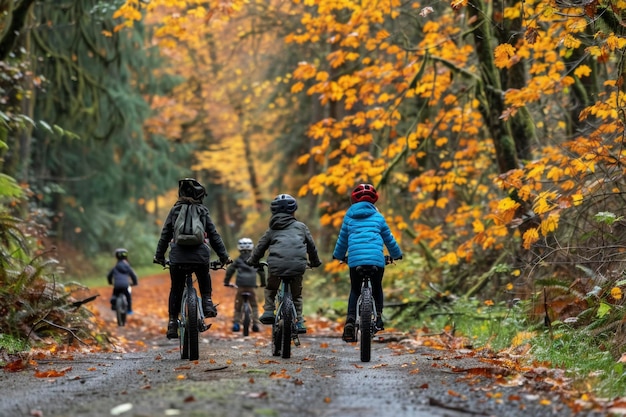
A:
{"x":188,"y":227}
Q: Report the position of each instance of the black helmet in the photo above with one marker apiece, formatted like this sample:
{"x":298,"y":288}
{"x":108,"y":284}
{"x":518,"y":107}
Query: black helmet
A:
{"x":189,"y":187}
{"x":121,"y":253}
{"x":283,"y":203}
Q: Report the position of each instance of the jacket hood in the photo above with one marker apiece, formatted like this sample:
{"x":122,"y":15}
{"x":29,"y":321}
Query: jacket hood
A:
{"x":281,"y":221}
{"x":361,"y":210}
{"x":122,"y":267}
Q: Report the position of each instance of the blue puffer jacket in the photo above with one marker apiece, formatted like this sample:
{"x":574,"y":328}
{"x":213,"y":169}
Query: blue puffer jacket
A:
{"x":363,"y":233}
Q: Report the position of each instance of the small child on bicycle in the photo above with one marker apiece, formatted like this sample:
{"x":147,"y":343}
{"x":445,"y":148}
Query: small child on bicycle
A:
{"x":245,"y":282}
{"x":289,"y":242}
{"x":363,"y":233}
{"x":122,"y":276}
{"x":190,"y":192}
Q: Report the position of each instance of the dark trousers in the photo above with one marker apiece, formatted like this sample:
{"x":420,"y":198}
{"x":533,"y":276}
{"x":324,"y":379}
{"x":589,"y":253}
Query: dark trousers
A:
{"x":355,"y":291}
{"x":122,"y":291}
{"x":295,"y":285}
{"x":177,"y":277}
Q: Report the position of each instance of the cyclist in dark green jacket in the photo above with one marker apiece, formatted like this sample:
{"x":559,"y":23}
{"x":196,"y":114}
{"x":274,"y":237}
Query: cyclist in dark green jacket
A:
{"x":289,"y":242}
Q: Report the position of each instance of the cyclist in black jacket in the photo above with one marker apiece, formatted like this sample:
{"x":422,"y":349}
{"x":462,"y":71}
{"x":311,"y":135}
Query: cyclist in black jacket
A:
{"x":198,"y":256}
{"x":246,"y":282}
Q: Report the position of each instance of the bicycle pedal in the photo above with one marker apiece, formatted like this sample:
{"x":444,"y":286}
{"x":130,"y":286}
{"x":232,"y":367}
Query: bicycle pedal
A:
{"x":296,"y":341}
{"x":204,"y":327}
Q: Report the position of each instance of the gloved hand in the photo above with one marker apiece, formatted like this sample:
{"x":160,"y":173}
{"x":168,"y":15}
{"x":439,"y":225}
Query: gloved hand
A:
{"x":398,"y":259}
{"x":158,"y":260}
{"x":315,"y":264}
{"x":250,"y":262}
{"x":226,"y":261}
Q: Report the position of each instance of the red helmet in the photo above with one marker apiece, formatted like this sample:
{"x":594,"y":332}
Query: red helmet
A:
{"x":364,"y":192}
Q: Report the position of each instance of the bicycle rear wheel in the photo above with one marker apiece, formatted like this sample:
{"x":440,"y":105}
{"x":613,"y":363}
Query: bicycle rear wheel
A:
{"x":287,"y":319}
{"x":121,"y":309}
{"x":247,"y":314}
{"x":366,"y":324}
{"x":190,"y":338}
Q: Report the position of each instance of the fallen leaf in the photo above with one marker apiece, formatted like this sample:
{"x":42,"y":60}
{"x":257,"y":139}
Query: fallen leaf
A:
{"x":49,"y":374}
{"x":15,"y":366}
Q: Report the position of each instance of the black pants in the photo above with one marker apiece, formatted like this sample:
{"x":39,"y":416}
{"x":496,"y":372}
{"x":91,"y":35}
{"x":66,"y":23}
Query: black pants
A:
{"x":355,"y":291}
{"x":177,"y":277}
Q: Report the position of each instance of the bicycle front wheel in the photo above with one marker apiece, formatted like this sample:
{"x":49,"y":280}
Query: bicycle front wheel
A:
{"x":190,"y":341}
{"x":366,"y":324}
{"x":287,"y":319}
{"x":121,"y":309}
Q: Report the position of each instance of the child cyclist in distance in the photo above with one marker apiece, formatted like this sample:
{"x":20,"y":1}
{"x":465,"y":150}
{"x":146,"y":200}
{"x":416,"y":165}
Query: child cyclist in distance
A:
{"x":122,"y":276}
{"x":190,"y":192}
{"x":289,"y":242}
{"x":246,"y":282}
{"x":363,"y":234}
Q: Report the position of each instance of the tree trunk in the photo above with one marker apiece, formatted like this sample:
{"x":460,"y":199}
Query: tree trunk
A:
{"x":492,"y":103}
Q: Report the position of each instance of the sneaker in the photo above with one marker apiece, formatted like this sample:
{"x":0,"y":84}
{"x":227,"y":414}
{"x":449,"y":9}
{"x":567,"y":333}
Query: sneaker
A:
{"x":236,"y":327}
{"x":301,"y":327}
{"x":172,"y":329}
{"x":348,"y":333}
{"x":255,"y":328}
{"x":267,"y":317}
{"x":208,"y":307}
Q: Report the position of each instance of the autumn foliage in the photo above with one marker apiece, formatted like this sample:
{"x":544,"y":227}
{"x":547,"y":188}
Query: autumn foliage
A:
{"x":495,"y":134}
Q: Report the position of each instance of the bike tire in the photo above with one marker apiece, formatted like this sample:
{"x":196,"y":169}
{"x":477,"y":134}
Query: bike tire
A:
{"x":277,"y":337}
{"x":288,"y":321}
{"x":182,"y":330}
{"x":366,"y":324}
{"x":193,"y":326}
{"x":121,"y":309}
{"x":247,"y":314}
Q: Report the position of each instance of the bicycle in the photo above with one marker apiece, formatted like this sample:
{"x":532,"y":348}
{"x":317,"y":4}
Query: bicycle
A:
{"x":191,"y":317}
{"x":121,"y":308}
{"x":366,"y":312}
{"x":246,"y":310}
{"x":285,"y":326}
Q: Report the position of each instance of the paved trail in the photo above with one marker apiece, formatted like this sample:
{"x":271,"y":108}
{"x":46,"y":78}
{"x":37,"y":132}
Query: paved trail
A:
{"x":237,"y":376}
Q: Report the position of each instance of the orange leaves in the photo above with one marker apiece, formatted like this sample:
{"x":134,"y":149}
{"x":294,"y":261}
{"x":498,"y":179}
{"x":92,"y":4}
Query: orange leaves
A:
{"x":52,"y":373}
{"x":503,"y":55}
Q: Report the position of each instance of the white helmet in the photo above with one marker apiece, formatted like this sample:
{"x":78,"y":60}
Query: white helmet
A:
{"x":245,"y":243}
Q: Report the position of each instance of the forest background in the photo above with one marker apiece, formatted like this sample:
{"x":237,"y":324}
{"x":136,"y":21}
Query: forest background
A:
{"x":494,"y":132}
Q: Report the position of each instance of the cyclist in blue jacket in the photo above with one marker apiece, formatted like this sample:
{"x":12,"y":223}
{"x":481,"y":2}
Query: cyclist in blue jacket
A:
{"x":363,"y":235}
{"x":122,"y":276}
